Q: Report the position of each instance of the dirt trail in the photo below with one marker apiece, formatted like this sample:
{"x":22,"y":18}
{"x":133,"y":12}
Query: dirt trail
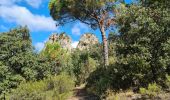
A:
{"x":81,"y":94}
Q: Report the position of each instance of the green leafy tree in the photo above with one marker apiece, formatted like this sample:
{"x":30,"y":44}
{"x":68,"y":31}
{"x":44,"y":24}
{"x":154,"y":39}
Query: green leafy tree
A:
{"x":165,"y":57}
{"x":84,"y":63}
{"x":17,"y":58}
{"x":112,"y":41}
{"x":96,"y":13}
{"x":59,"y":58}
{"x":141,"y":48}
{"x":18,"y":62}
{"x":141,"y":43}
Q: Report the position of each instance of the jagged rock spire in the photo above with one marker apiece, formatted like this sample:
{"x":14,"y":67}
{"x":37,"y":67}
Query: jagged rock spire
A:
{"x":87,"y":40}
{"x":63,"y":39}
{"x":53,"y":38}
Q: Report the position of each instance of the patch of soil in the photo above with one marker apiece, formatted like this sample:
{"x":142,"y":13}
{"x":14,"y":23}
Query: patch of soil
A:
{"x":80,"y":93}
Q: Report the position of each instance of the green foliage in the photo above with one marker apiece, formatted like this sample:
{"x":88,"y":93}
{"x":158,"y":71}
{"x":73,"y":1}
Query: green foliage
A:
{"x":18,"y":62}
{"x":98,"y":81}
{"x":140,"y":49}
{"x":95,"y":13}
{"x":112,"y":41}
{"x":168,"y":83}
{"x":152,"y":90}
{"x":139,"y":55}
{"x":57,"y":87}
{"x":140,"y":52}
{"x":87,"y":11}
{"x":164,"y":59}
{"x":83,"y":64}
{"x":52,"y":50}
{"x":17,"y":59}
{"x":59,"y":58}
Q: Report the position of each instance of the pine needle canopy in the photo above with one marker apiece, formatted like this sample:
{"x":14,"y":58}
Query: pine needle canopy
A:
{"x":87,"y":11}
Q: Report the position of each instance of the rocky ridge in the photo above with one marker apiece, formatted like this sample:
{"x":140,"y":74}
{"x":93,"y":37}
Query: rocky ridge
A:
{"x":86,"y":40}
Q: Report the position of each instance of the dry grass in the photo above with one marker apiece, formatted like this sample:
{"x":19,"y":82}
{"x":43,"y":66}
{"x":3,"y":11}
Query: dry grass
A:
{"x":130,"y":95}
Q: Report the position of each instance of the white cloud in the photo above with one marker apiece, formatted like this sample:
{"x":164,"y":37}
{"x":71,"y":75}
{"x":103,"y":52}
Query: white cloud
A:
{"x":22,"y":16}
{"x":39,"y":46}
{"x":9,"y":2}
{"x":75,"y":30}
{"x":34,"y":3}
{"x":82,"y":26}
{"x":78,"y":28}
{"x":74,"y":44}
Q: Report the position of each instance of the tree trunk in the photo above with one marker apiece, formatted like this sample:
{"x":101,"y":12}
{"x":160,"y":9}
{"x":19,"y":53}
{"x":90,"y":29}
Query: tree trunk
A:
{"x":105,"y":46}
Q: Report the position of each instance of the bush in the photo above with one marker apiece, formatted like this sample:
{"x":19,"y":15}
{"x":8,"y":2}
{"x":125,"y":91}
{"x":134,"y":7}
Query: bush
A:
{"x":121,"y":95}
{"x":111,"y":77}
{"x":62,"y":85}
{"x":57,"y":88}
{"x":168,"y":83}
{"x":152,"y":90}
{"x":98,"y":81}
{"x":83,"y":64}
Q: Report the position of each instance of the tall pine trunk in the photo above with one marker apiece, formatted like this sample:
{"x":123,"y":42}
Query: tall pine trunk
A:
{"x":105,"y":46}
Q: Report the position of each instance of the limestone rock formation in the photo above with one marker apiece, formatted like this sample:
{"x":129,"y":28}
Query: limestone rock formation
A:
{"x":63,"y":39}
{"x":86,"y":41}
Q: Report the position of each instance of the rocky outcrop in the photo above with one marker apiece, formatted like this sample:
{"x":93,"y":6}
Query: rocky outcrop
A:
{"x":86,"y":41}
{"x":63,"y":39}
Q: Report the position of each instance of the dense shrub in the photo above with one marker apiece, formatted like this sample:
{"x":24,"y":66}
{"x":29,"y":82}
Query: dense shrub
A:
{"x":59,"y":58}
{"x":98,"y":81}
{"x":57,"y":87}
{"x":113,"y":77}
{"x":17,"y":60}
{"x":84,"y":63}
{"x":168,"y":83}
{"x":152,"y":90}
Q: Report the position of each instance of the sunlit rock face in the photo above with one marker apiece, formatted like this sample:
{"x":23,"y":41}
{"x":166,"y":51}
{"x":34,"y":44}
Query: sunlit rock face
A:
{"x":63,"y":39}
{"x":86,"y":41}
{"x":53,"y":38}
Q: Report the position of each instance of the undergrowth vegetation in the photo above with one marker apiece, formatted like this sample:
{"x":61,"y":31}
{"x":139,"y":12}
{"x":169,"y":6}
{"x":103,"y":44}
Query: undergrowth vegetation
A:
{"x":53,"y":88}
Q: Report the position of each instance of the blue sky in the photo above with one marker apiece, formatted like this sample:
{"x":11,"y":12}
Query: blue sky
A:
{"x":35,"y":14}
